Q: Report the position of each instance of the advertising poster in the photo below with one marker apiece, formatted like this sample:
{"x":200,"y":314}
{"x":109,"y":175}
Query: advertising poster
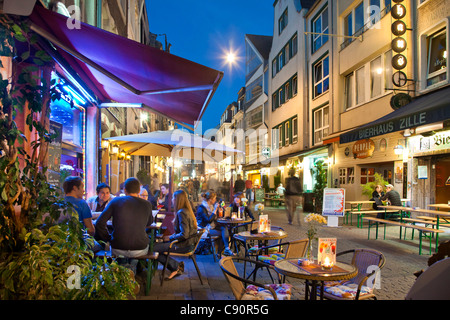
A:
{"x":333,"y":202}
{"x":327,"y":249}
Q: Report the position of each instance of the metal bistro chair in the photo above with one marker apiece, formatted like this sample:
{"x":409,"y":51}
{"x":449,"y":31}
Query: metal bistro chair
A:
{"x":245,"y":289}
{"x":190,"y":254}
{"x":355,"y":289}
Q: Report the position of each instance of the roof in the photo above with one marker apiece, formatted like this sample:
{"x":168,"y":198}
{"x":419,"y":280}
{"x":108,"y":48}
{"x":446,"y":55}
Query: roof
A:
{"x":262,"y":43}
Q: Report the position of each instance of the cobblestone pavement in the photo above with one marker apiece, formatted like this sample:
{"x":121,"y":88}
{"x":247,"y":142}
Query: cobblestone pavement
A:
{"x":402,"y":260}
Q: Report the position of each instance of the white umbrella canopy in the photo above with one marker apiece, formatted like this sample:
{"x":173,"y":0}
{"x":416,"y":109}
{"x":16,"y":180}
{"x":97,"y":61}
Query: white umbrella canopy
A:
{"x":174,"y":143}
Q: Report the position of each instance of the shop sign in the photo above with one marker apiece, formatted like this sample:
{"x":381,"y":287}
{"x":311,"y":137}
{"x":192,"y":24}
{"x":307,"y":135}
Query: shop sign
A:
{"x":440,"y":140}
{"x":363,"y":148}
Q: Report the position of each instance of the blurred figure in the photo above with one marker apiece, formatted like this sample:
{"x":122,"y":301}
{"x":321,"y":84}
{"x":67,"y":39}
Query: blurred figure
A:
{"x":293,"y":194}
{"x":281,"y":190}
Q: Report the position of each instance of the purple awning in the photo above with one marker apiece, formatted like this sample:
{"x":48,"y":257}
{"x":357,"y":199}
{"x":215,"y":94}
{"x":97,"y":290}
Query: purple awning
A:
{"x":122,"y":70}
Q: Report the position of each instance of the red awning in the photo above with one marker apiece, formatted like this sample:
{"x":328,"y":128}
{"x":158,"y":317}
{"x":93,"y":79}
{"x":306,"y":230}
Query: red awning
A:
{"x":122,"y":70}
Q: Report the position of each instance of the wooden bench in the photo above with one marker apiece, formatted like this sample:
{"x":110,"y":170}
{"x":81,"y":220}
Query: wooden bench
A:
{"x":433,"y":219}
{"x":276,"y":201}
{"x":360,"y":215}
{"x":150,"y":258}
{"x":423,"y":231}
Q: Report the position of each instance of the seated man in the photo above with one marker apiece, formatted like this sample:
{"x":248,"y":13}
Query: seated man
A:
{"x":131,"y":216}
{"x":74,"y":190}
{"x":98,"y":203}
{"x":392,"y":196}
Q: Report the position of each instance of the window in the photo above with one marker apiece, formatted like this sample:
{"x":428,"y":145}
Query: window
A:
{"x":321,"y":77}
{"x":284,"y":93}
{"x":286,"y":90}
{"x":367,"y":175}
{"x":359,"y":18}
{"x":286,"y":133}
{"x":275,"y":138}
{"x":376,"y":77}
{"x":294,"y":45}
{"x":254,"y":89}
{"x":280,"y":136}
{"x":320,"y":25}
{"x":286,"y":53}
{"x":321,"y":124}
{"x":348,"y":25}
{"x":294,"y":130}
{"x":294,"y":86}
{"x":388,"y":69}
{"x":360,"y":85}
{"x":436,"y":57}
{"x":283,"y":21}
{"x":349,"y":90}
{"x":346,"y":175}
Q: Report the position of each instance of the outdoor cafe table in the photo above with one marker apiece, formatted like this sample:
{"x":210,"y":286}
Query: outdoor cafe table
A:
{"x":355,"y":205}
{"x":262,"y":239}
{"x":231,"y":225}
{"x":438,"y":214}
{"x":439,"y":206}
{"x":314,"y":273}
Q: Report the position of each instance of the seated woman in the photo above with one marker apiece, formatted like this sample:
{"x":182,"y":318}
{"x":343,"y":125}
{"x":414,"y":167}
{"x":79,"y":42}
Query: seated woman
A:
{"x":164,"y":197}
{"x":185,"y":226}
{"x":376,"y":196}
{"x":238,"y":203}
{"x":207,"y":213}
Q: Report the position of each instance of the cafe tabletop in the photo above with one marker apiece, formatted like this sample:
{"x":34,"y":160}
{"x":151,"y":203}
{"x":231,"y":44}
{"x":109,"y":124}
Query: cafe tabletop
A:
{"x":438,"y":206}
{"x":397,"y":208}
{"x":291,"y":268}
{"x":264,"y":236}
{"x":359,"y":202}
{"x":233,"y":221}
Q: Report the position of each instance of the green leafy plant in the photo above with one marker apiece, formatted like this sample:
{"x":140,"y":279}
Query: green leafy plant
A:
{"x":369,"y":187}
{"x":320,"y":177}
{"x":143,"y":177}
{"x":41,"y":239}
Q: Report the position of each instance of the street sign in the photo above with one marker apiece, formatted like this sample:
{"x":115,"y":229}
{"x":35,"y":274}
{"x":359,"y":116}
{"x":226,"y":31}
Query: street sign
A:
{"x":400,"y":100}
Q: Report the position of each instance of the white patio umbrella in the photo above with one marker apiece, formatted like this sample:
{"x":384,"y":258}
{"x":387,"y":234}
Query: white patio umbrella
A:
{"x":173,"y":143}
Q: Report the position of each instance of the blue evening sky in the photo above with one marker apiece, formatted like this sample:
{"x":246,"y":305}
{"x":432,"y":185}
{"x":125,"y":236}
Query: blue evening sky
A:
{"x":204,"y":31}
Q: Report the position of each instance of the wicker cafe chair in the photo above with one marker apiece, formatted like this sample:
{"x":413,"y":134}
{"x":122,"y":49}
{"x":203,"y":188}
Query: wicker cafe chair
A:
{"x":355,"y":289}
{"x":245,"y":289}
{"x":286,"y":250}
{"x":190,"y":254}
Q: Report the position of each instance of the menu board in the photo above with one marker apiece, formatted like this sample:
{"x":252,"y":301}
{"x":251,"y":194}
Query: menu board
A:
{"x":333,"y":202}
{"x":327,"y":248}
{"x":263,"y":223}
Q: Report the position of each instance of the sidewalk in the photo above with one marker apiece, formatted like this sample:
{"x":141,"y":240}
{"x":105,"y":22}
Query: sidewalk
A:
{"x":402,"y":260}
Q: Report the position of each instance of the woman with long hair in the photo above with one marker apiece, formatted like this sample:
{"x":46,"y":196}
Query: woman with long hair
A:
{"x":185,"y":226}
{"x":207,"y":213}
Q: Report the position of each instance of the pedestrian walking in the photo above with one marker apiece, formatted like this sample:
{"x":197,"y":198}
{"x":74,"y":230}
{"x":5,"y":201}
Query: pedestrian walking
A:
{"x":292,"y":196}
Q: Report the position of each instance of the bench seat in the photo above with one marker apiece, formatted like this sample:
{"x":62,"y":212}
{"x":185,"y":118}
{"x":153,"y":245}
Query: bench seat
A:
{"x":423,"y":231}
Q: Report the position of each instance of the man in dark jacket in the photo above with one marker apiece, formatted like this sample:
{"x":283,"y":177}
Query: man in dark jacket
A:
{"x":239,"y":185}
{"x":292,"y":196}
{"x":392,"y":196}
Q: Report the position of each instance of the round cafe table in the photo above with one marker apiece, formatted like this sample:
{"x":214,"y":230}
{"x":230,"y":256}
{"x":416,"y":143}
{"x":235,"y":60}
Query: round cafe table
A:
{"x":231,"y":224}
{"x":314,"y":274}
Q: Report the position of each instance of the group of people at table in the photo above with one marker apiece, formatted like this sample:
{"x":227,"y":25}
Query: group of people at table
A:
{"x":131,"y":215}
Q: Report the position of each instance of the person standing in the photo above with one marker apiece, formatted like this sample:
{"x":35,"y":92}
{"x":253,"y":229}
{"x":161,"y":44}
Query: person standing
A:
{"x":196,"y":189}
{"x":74,"y":191}
{"x":155,"y":184}
{"x":98,"y":203}
{"x":239,"y":185}
{"x":248,"y":189}
{"x":292,"y":196}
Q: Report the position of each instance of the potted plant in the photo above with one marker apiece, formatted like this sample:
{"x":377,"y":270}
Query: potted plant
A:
{"x":320,"y":177}
{"x":41,"y":255}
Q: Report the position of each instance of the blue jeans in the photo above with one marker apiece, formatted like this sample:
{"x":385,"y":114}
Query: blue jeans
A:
{"x":248,"y":195}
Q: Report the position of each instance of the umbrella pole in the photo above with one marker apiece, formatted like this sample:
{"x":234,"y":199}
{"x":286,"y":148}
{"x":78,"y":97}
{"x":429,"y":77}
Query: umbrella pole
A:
{"x":231,"y":186}
{"x":170,"y":187}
